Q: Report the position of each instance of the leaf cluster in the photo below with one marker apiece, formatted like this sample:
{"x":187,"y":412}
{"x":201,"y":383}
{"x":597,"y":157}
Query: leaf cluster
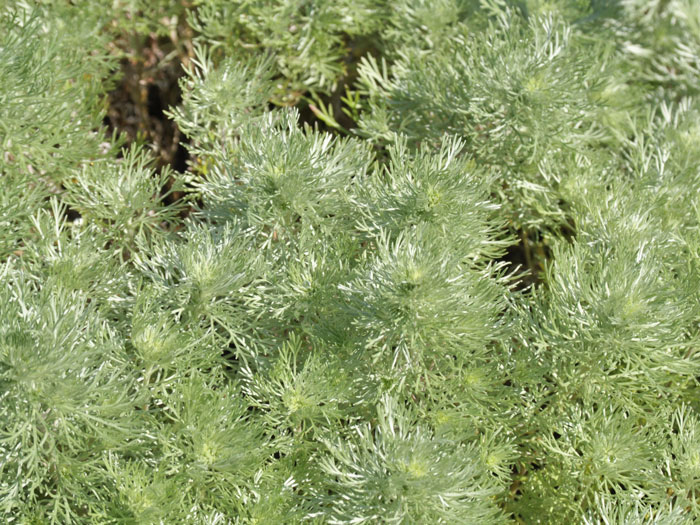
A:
{"x":313,"y":326}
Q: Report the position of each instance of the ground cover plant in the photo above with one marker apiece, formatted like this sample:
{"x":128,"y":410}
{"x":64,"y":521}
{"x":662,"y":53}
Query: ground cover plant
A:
{"x":396,"y":261}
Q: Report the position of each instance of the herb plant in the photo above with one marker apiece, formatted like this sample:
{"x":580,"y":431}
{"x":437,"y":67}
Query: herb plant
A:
{"x":428,"y":262}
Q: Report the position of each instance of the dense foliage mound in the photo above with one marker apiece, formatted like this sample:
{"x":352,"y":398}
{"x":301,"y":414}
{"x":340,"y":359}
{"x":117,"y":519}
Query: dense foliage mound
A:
{"x":349,"y":262}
